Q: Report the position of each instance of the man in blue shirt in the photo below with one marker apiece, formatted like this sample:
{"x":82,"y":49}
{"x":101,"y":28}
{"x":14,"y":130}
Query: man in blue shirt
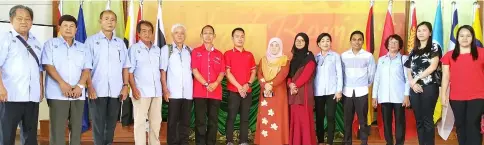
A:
{"x":108,"y":85}
{"x":176,"y":77}
{"x":67,"y":63}
{"x":145,"y":82}
{"x":21,"y":73}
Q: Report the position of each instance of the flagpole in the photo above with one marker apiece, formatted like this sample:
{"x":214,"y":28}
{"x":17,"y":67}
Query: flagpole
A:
{"x":141,"y":5}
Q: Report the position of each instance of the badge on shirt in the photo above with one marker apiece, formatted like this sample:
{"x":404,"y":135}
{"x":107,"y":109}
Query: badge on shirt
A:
{"x":14,"y":41}
{"x":199,"y":54}
{"x":97,"y":43}
{"x":139,"y":51}
{"x":55,"y":46}
{"x":37,"y":47}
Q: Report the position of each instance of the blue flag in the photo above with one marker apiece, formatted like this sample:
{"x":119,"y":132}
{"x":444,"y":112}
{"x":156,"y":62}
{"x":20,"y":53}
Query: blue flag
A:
{"x":81,"y":36}
{"x":453,"y":29}
{"x":438,"y":31}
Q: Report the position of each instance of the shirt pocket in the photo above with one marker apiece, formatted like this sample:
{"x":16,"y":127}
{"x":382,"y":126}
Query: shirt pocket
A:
{"x":78,"y":58}
{"x":215,"y":63}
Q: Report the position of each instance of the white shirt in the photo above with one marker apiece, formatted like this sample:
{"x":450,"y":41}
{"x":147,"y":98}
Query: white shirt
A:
{"x":145,"y":66}
{"x":391,"y":83}
{"x":358,"y":72}
{"x":178,"y":71}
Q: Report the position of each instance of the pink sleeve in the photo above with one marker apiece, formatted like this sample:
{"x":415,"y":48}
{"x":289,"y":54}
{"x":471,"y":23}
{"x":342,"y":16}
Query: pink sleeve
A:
{"x":306,"y":74}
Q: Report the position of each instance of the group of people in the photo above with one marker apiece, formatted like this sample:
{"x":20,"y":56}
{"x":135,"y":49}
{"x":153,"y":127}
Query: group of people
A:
{"x":186,"y":77}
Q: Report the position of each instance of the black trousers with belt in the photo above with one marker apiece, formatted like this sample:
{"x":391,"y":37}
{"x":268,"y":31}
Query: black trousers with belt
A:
{"x":325,"y":107}
{"x":360,"y":106}
{"x":179,"y":115}
{"x":206,"y":120}
{"x":467,"y":116}
{"x":389,"y":110}
{"x":14,"y":113}
{"x":237,"y":104}
{"x":423,"y":105}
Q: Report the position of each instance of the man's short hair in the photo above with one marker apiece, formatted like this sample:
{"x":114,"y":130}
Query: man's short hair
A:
{"x":237,"y":29}
{"x":68,"y":18}
{"x":144,"y":22}
{"x":357,"y":32}
{"x":13,"y":11}
{"x":107,"y":11}
{"x":176,"y":26}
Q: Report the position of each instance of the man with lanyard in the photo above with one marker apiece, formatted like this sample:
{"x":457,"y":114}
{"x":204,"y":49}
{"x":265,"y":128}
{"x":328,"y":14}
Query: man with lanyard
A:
{"x":108,"y":85}
{"x":67,"y":63}
{"x":21,"y":73}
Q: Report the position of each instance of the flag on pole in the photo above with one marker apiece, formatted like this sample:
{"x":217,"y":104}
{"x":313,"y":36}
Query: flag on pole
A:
{"x":129,"y":33}
{"x":140,"y":17}
{"x":370,"y":41}
{"x":160,"y":28}
{"x":126,"y":116}
{"x":81,"y":37}
{"x":477,"y":25}
{"x":453,"y":28}
{"x":58,"y":14}
{"x":438,"y":39}
{"x":387,"y":29}
{"x":413,"y":28}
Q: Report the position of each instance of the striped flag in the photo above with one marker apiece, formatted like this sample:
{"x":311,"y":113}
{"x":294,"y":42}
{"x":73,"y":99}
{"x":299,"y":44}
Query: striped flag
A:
{"x":438,"y":38}
{"x":477,"y":25}
{"x":140,"y":17}
{"x":413,"y":28}
{"x":387,"y":29}
{"x":129,"y":33}
{"x":58,"y":14}
{"x":370,"y":41}
{"x":453,"y":28}
{"x":160,"y":28}
{"x":108,"y":7}
{"x":81,"y":37}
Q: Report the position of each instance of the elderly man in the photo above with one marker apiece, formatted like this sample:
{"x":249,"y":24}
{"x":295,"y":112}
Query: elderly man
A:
{"x":21,"y":73}
{"x":108,"y":85}
{"x":67,"y":63}
{"x":178,"y":87}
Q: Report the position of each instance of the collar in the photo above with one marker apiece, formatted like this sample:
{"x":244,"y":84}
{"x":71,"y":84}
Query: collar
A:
{"x":359,"y":52}
{"x":330,"y":52}
{"x":235,"y":50}
{"x":175,"y":46}
{"x":104,"y":36}
{"x":74,"y":42}
{"x":204,"y":48}
{"x":144,"y":46}
{"x":15,"y":34}
{"x":397,"y":56}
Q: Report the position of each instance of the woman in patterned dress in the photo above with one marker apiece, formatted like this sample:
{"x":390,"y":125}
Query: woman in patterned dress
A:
{"x":272,"y":118}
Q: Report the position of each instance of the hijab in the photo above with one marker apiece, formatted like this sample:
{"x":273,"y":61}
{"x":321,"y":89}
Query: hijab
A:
{"x":300,"y":56}
{"x":272,"y":63}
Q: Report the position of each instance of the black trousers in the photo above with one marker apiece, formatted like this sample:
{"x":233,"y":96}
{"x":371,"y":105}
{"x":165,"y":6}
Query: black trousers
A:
{"x":206,"y":121}
{"x":237,"y":104}
{"x":388,"y":111}
{"x":360,"y":105}
{"x":14,"y":113}
{"x":179,"y":115}
{"x":423,"y":105}
{"x":325,"y":107}
{"x":126,"y":115}
{"x":467,"y":116}
{"x":104,"y":113}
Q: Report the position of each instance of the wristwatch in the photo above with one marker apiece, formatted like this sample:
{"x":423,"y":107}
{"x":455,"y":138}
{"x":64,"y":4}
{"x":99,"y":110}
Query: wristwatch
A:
{"x":125,"y":85}
{"x":249,"y":83}
{"x":80,"y":86}
{"x":205,"y":84}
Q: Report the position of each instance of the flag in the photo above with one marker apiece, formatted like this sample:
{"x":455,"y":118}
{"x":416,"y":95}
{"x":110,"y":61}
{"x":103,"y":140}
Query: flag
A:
{"x":413,"y":28}
{"x":81,"y":37}
{"x":160,"y":29}
{"x":453,"y":28}
{"x":438,"y":38}
{"x":140,"y":17}
{"x":126,"y":116}
{"x":477,"y":25}
{"x":370,"y":41}
{"x":129,"y":33}
{"x":58,"y":14}
{"x":370,"y":47}
{"x":446,"y":124}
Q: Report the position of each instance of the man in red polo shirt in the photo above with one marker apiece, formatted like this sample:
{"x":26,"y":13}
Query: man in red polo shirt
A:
{"x":241,"y":71}
{"x":208,"y":67}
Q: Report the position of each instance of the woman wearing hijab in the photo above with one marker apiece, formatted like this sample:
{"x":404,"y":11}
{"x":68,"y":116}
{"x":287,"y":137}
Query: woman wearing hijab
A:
{"x":301,"y":99}
{"x":272,"y":122}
